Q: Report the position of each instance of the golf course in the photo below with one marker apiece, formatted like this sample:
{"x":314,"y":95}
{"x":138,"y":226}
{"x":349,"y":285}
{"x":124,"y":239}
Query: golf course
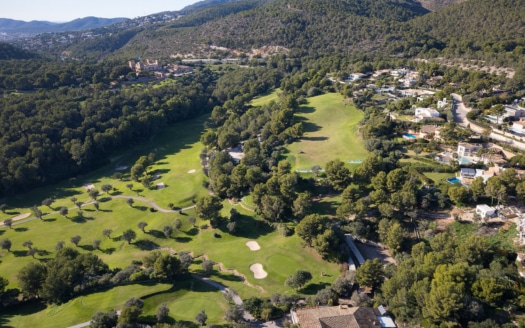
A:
{"x":331,"y":132}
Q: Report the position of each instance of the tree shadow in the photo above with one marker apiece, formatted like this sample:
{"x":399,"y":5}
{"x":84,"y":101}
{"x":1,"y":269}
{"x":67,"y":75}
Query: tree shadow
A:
{"x":141,"y":208}
{"x":192,"y":232}
{"x":22,"y":229}
{"x":116,"y":193}
{"x":312,"y":289}
{"x":88,"y":248}
{"x":24,"y":309}
{"x":227,"y":276}
{"x":183,"y":239}
{"x":12,"y":212}
{"x":43,"y":252}
{"x":306,"y":110}
{"x":2,"y":232}
{"x":146,"y":245}
{"x":311,"y":127}
{"x":249,"y":227}
{"x":314,"y":138}
{"x":161,"y":171}
{"x":108,"y":250}
{"x":156,"y":233}
{"x":79,"y":219}
{"x":19,"y":253}
{"x":104,"y":199}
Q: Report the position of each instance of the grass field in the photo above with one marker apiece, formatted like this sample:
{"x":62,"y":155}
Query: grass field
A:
{"x":184,"y":299}
{"x":266,"y":98}
{"x":177,"y":154}
{"x":330,"y":132}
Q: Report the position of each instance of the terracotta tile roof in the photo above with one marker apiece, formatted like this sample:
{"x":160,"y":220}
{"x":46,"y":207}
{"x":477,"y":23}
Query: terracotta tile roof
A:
{"x":338,"y":317}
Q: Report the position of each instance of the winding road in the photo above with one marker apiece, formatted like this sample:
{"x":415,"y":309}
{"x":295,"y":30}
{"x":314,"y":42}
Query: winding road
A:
{"x":460,"y":116}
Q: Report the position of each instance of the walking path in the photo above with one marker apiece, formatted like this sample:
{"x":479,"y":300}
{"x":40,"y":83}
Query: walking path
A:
{"x":153,"y":204}
{"x":138,"y":199}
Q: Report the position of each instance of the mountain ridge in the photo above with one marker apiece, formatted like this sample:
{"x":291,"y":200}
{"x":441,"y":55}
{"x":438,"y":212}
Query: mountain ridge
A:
{"x":8,"y":25}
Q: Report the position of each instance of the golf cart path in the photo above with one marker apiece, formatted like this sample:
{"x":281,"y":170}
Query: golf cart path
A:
{"x":153,"y":204}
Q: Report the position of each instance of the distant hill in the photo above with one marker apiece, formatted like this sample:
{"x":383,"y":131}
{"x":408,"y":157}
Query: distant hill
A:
{"x":86,"y":23}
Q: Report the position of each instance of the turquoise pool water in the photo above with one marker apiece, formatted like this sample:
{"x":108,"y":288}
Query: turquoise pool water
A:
{"x":409,"y":136}
{"x":464,"y":160}
{"x":454,"y":180}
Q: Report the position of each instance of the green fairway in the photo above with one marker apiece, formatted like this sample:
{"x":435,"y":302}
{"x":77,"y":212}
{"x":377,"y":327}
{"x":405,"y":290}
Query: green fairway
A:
{"x":184,"y":298}
{"x":266,"y":98}
{"x":177,"y":163}
{"x":331,"y":131}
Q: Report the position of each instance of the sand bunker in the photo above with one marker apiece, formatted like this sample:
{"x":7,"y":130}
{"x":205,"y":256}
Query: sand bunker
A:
{"x":253,"y":245}
{"x":258,"y":271}
{"x":192,"y":171}
{"x":89,"y":186}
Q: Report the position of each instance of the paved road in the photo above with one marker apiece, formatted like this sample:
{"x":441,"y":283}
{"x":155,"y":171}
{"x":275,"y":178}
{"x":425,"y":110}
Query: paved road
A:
{"x":460,"y":116}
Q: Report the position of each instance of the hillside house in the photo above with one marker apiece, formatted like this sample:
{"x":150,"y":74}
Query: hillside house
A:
{"x":485,"y":211}
{"x":179,"y":69}
{"x":466,"y":149}
{"x":356,"y":77}
{"x":430,"y":132}
{"x":149,"y":65}
{"x":342,"y":316}
{"x":423,"y":113}
{"x":442,"y":103}
{"x":518,"y":127}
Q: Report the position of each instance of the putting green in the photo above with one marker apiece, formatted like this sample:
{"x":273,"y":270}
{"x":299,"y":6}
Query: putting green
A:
{"x":281,"y":265}
{"x":331,"y":131}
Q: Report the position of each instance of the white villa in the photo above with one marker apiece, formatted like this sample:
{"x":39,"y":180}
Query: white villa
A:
{"x":422,"y":113}
{"x":518,"y":127}
{"x":356,"y":77}
{"x":485,"y":211}
{"x":466,"y":149}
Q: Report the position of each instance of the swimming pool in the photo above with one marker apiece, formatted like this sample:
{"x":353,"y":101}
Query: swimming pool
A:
{"x":453,"y":180}
{"x":464,"y":160}
{"x":409,"y":136}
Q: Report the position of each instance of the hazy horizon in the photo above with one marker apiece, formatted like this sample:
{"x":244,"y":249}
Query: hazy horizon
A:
{"x":65,"y":11}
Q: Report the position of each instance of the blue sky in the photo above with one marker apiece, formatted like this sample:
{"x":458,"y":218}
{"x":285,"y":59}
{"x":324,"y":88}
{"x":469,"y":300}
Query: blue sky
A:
{"x":66,"y":10}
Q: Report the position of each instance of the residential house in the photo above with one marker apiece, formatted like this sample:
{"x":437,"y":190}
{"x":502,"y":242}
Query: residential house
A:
{"x":466,"y":149}
{"x":430,"y":132}
{"x":466,"y":172}
{"x":442,"y":103}
{"x":341,"y":316}
{"x":514,"y":111}
{"x":518,"y":127}
{"x":179,"y":69}
{"x":485,"y":211}
{"x":149,"y":65}
{"x":423,"y":113}
{"x":356,"y":77}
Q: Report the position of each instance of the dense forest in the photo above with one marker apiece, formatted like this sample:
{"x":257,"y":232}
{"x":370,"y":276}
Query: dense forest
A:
{"x":50,"y":135}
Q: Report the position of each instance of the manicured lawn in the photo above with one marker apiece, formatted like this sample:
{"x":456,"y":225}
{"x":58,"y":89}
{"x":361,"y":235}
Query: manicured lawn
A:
{"x":177,"y":162}
{"x":438,"y":177}
{"x":331,"y":131}
{"x":266,"y":98}
{"x":78,"y":310}
{"x":184,"y":298}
